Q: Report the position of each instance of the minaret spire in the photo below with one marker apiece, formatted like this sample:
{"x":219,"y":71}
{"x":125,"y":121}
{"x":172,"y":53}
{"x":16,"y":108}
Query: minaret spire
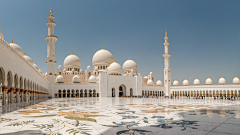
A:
{"x":51,"y":39}
{"x":167,"y":70}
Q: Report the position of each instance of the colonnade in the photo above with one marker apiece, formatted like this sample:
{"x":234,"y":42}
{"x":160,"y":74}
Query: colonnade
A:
{"x":207,"y":93}
{"x":152,"y":93}
{"x":76,"y":93}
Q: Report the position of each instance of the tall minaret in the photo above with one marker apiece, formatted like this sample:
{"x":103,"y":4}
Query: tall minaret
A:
{"x":167,"y":70}
{"x":51,"y":39}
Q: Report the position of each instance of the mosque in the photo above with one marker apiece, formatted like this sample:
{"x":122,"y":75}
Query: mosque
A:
{"x":21,"y":80}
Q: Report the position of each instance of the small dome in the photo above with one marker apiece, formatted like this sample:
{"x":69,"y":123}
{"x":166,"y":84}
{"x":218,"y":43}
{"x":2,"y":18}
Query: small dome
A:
{"x":129,"y":64}
{"x":73,"y":70}
{"x":88,"y":67}
{"x":145,"y":77}
{"x":103,"y":57}
{"x":1,"y":35}
{"x":114,"y":68}
{"x":64,"y":70}
{"x":81,"y":71}
{"x":208,"y":81}
{"x":46,"y":74}
{"x":35,"y":66}
{"x":159,"y":83}
{"x":92,"y":79}
{"x":17,"y":48}
{"x":60,"y":67}
{"x":185,"y":82}
{"x":175,"y":83}
{"x":59,"y":79}
{"x":221,"y":81}
{"x":196,"y":82}
{"x":28,"y":58}
{"x":236,"y":80}
{"x":150,"y":83}
{"x":76,"y":79}
{"x":72,"y":61}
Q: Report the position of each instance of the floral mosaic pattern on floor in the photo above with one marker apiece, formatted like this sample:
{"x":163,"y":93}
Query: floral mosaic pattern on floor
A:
{"x":120,"y":116}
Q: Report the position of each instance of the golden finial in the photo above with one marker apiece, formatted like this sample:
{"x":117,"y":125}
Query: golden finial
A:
{"x":129,"y":58}
{"x":24,"y":53}
{"x":185,"y":79}
{"x":166,"y":33}
{"x":196,"y":77}
{"x":12,"y":40}
{"x":221,"y":77}
{"x":102,"y":46}
{"x":114,"y":61}
{"x":50,"y":11}
{"x":72,"y":52}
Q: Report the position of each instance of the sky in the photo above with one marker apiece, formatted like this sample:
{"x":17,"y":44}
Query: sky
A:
{"x":204,"y":35}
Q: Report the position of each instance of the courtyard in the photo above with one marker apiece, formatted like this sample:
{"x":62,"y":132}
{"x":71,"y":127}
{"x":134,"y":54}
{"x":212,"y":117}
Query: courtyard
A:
{"x":120,"y":116}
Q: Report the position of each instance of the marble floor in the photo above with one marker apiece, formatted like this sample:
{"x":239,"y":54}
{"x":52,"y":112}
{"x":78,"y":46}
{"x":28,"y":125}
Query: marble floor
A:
{"x":124,"y":116}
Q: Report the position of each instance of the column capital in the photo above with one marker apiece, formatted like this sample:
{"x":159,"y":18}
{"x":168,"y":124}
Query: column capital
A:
{"x":18,"y":90}
{"x":22,"y":90}
{"x":11,"y":89}
{"x":4,"y":88}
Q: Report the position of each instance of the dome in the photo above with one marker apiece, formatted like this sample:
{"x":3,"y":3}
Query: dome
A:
{"x":145,"y":77}
{"x":150,"y":83}
{"x":92,"y":79}
{"x":60,"y":67}
{"x":64,"y":70}
{"x":185,"y":82}
{"x":46,"y":74}
{"x":159,"y":83}
{"x":76,"y":79}
{"x":1,"y":35}
{"x":59,"y":79}
{"x":114,"y":68}
{"x":88,"y":67}
{"x":175,"y":83}
{"x":72,"y":61}
{"x":35,"y":66}
{"x":103,"y":57}
{"x":236,"y":80}
{"x":221,"y":81}
{"x":196,"y":82}
{"x":16,"y":47}
{"x":208,"y":81}
{"x":28,"y":58}
{"x":129,"y":64}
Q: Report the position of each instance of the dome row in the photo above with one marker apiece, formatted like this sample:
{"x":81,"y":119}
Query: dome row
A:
{"x":151,"y":83}
{"x":103,"y":57}
{"x":76,"y":79}
{"x":208,"y":81}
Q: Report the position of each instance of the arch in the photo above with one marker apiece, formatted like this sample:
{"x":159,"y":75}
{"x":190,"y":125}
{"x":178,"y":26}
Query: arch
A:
{"x":59,"y":93}
{"x":90,"y":93}
{"x":68,"y":93}
{"x":72,"y":94}
{"x":9,"y":79}
{"x":15,"y":81}
{"x":113,"y":92}
{"x":131,"y":92}
{"x":64,"y":93}
{"x":2,"y":77}
{"x":77,"y":93}
{"x":94,"y":93}
{"x":122,"y":90}
{"x":81,"y":93}
{"x":85,"y":93}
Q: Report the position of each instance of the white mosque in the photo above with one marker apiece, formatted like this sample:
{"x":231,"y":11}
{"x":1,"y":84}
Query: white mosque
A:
{"x":21,"y":80}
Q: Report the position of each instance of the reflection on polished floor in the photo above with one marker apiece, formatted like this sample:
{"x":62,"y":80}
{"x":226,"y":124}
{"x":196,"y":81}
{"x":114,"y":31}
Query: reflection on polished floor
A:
{"x":120,"y":116}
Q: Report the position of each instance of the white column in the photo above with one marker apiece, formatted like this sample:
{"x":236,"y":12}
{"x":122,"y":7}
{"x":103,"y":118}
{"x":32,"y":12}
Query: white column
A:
{"x":11,"y":95}
{"x":17,"y":96}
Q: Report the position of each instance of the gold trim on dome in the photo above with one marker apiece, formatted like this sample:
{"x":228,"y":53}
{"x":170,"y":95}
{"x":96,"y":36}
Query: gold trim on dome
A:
{"x":12,"y":40}
{"x":129,"y":58}
{"x":24,"y":53}
{"x":72,"y":52}
{"x":102,"y":46}
{"x":50,"y":11}
{"x":114,"y":61}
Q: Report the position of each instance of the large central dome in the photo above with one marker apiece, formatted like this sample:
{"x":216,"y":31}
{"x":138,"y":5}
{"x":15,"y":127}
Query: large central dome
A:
{"x":72,"y":61}
{"x":103,"y":57}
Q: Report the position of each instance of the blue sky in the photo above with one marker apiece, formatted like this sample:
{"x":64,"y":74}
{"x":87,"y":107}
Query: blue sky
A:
{"x":204,"y":35}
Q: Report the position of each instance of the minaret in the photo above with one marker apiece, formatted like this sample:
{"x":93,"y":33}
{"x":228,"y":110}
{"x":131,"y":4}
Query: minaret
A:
{"x":167,"y":70}
{"x":51,"y":39}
